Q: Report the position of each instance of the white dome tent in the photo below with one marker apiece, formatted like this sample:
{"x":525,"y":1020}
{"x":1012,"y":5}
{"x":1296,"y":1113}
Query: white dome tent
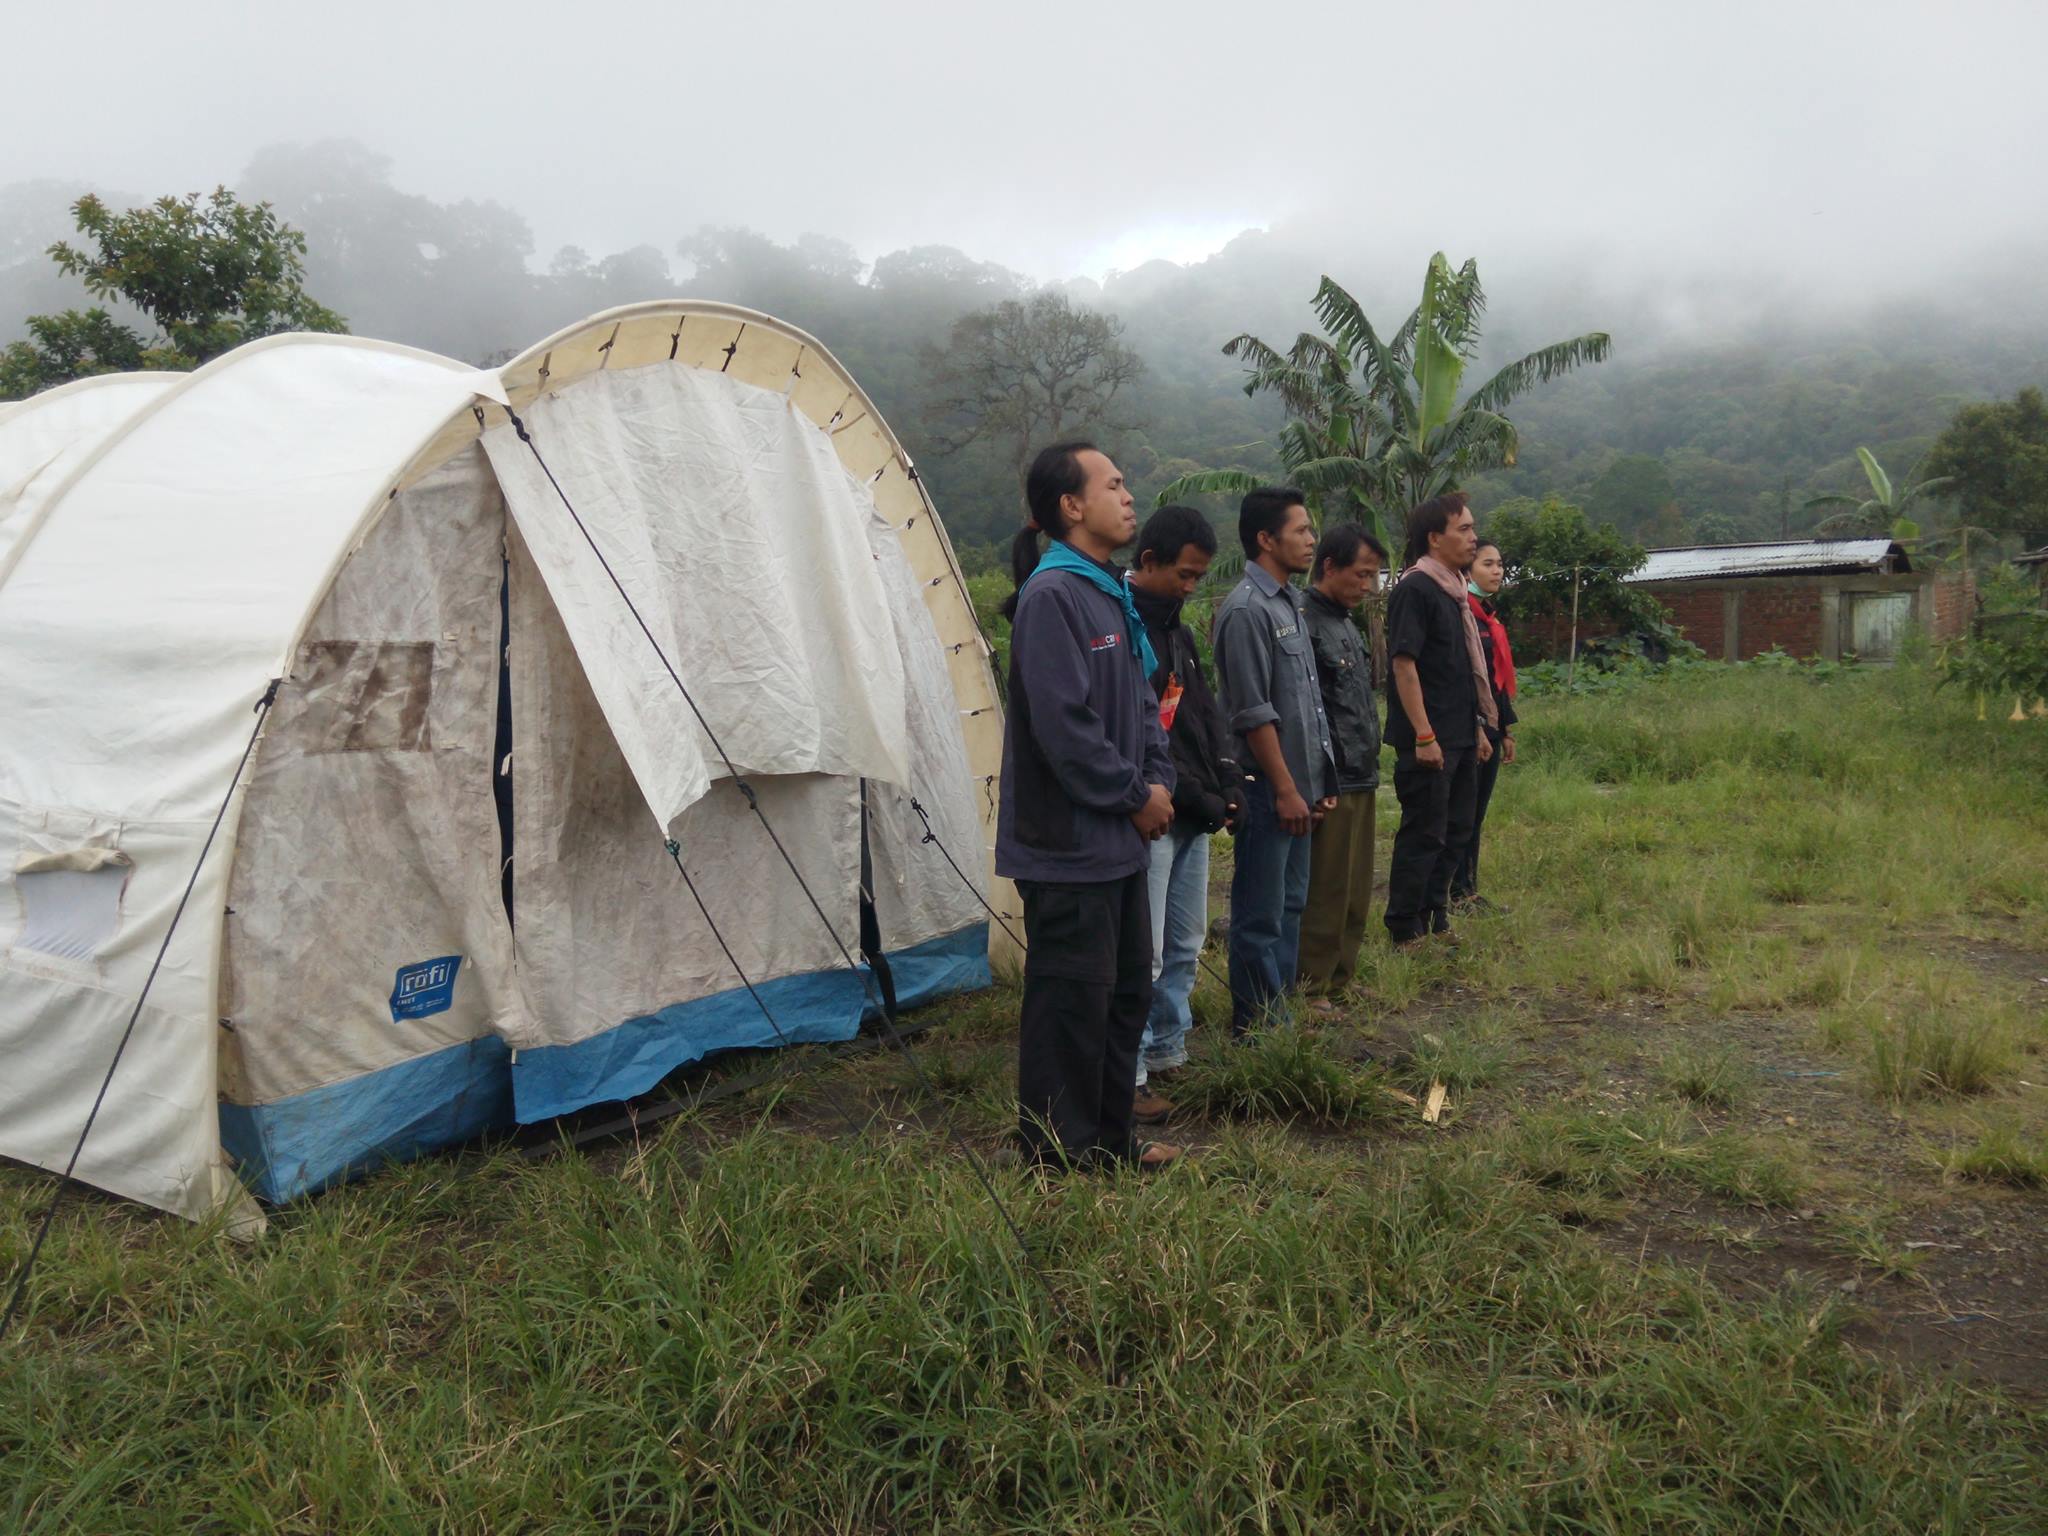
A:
{"x":357,"y":976}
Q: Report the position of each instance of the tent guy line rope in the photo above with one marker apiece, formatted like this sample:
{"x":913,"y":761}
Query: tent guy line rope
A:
{"x":675,"y":852}
{"x":28,"y":1264}
{"x":933,"y":838}
{"x":886,"y":1013}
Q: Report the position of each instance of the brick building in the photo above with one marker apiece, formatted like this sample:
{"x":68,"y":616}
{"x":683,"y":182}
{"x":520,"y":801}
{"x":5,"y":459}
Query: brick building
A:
{"x":1832,"y":598}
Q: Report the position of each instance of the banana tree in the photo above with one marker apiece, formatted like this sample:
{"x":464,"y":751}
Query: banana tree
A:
{"x":1376,"y":424}
{"x":1325,"y":445}
{"x":1884,"y":509}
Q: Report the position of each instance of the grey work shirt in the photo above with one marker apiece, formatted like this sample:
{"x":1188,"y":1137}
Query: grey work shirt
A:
{"x":1266,"y":675}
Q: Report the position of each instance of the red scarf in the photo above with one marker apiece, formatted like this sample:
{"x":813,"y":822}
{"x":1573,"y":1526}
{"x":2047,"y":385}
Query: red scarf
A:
{"x":1503,"y":658}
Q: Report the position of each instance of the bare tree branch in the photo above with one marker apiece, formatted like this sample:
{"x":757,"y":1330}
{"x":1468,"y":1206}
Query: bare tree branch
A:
{"x":1026,"y":371}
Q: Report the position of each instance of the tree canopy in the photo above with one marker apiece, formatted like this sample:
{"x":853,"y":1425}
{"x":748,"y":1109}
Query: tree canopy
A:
{"x":1551,"y":550}
{"x":209,"y":274}
{"x":1376,"y":424}
{"x":1995,"y":456}
{"x":1026,"y":372}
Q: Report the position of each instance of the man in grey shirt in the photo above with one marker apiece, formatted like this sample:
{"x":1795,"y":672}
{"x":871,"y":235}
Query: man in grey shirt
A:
{"x":1266,"y":678}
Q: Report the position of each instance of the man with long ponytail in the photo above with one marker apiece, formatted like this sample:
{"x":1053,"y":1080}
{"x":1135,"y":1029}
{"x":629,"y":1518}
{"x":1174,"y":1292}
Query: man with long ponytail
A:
{"x":1087,"y":786}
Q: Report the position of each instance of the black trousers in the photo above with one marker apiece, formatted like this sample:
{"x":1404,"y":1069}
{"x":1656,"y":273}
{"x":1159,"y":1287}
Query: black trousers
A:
{"x":1465,"y":876}
{"x":1436,"y":821}
{"x":1087,"y":989}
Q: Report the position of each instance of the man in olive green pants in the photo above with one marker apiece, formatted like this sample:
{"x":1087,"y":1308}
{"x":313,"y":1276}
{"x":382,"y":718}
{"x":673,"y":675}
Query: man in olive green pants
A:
{"x":1347,"y":567}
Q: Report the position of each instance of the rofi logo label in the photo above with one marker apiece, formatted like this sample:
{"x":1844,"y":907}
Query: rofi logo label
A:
{"x":424,"y":989}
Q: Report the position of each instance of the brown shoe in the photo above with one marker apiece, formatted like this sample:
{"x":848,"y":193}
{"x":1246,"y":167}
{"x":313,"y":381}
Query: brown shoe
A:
{"x":1155,"y":1155}
{"x":1149,"y":1108}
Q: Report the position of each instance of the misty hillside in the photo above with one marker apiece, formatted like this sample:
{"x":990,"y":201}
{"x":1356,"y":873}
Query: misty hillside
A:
{"x":1720,"y":411}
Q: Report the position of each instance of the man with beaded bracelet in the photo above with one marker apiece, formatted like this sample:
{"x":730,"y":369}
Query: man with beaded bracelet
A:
{"x":1439,"y":703}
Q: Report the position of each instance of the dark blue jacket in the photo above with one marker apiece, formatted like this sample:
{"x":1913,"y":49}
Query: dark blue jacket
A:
{"x":1081,"y":741}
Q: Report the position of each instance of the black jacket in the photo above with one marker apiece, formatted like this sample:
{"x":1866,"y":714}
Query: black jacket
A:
{"x":1344,"y":669}
{"x":1207,"y":778}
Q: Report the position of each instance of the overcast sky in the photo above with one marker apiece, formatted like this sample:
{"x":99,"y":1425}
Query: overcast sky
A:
{"x":1878,"y":140}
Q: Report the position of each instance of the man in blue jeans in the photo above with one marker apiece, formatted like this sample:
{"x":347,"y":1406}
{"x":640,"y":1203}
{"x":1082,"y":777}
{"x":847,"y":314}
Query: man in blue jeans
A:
{"x":1174,"y":550}
{"x":1266,"y":672}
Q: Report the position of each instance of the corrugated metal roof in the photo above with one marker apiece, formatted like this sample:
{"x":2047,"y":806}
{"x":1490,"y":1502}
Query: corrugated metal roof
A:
{"x":1792,"y":557}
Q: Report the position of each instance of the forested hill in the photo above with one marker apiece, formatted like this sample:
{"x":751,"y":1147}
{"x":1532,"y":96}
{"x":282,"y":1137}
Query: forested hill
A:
{"x":1716,"y":425}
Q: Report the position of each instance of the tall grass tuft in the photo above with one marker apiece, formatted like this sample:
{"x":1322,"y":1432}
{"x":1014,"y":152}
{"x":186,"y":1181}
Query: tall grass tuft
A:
{"x":1285,"y":1072}
{"x":1580,"y":1152}
{"x":2001,"y":1154}
{"x":1919,"y":1055}
{"x":1461,"y":1056}
{"x":1718,"y":1077}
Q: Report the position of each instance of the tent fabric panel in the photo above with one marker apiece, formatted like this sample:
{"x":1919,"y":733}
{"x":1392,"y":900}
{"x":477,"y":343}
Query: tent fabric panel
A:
{"x":636,"y":343}
{"x":765,"y":357}
{"x":167,"y":586}
{"x":940,"y":967}
{"x":918,"y":895}
{"x":61,"y":1021}
{"x":702,"y":341}
{"x":606,"y":930}
{"x":824,"y":394}
{"x":369,"y":842}
{"x":698,"y":331}
{"x":901,"y":501}
{"x":630,"y":1059}
{"x":44,"y":438}
{"x":741,"y":542}
{"x":304,"y":1143}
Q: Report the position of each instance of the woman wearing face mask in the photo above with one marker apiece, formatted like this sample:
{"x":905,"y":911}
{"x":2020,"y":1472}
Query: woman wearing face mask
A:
{"x":1486,"y":577}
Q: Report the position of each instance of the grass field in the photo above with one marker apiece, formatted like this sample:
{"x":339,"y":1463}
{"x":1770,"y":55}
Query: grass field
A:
{"x":1736,"y":1222}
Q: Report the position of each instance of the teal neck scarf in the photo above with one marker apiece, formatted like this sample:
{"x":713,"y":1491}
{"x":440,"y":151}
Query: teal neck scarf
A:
{"x":1060,"y":556}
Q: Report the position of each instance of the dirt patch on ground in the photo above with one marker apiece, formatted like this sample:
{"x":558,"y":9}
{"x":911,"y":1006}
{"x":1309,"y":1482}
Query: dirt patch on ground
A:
{"x":1971,"y":1302}
{"x":1939,"y":1273}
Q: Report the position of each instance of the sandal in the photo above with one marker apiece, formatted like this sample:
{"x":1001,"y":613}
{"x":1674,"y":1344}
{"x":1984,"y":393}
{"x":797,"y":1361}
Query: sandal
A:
{"x":1155,"y":1155}
{"x":1150,"y":1108}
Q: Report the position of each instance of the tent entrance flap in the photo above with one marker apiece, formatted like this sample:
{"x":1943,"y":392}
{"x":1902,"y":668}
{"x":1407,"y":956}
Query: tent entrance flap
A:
{"x":733,"y":531}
